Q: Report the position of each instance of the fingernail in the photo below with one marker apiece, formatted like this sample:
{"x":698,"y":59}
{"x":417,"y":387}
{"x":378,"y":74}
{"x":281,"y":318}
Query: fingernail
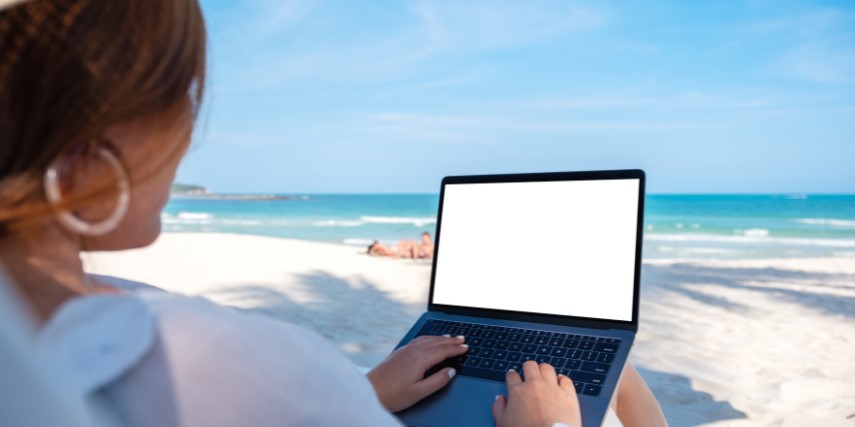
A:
{"x":460,"y":337}
{"x":497,"y":397}
{"x":464,"y":345}
{"x":447,"y":336}
{"x":512,"y":370}
{"x":451,"y":373}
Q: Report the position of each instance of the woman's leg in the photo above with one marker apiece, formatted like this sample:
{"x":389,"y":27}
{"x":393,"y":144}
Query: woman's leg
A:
{"x":634,"y":403}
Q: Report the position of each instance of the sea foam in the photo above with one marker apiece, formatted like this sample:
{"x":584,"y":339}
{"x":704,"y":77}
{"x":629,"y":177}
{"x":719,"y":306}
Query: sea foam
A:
{"x":744,"y":239}
{"x":841,"y":223}
{"x":418,"y":222}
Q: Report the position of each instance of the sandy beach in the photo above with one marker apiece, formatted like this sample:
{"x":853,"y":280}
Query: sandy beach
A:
{"x":722,"y":343}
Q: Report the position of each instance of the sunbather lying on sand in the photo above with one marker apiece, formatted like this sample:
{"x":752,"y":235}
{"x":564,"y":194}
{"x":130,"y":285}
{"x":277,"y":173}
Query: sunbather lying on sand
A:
{"x":404,"y":248}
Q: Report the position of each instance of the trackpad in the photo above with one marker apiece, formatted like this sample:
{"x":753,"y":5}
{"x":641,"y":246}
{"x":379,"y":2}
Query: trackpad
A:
{"x":464,"y":402}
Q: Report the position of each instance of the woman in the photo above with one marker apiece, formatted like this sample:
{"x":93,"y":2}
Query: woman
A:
{"x":97,"y":104}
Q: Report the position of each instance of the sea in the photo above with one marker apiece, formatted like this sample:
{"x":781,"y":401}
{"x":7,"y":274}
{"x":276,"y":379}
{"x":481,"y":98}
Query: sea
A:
{"x":675,"y":226}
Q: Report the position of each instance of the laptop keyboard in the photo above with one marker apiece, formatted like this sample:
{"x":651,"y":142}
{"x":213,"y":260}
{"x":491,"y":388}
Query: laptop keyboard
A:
{"x":493,"y":350}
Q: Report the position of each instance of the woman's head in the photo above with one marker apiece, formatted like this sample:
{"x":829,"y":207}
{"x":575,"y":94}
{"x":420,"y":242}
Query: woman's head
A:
{"x":81,"y":77}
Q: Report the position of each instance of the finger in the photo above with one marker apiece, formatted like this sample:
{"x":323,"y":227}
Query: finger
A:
{"x":499,"y":407}
{"x":426,"y":342}
{"x":566,"y":384}
{"x":438,"y":353}
{"x":436,"y":340}
{"x":548,"y":373}
{"x":512,"y":378}
{"x":531,"y":370}
{"x":446,"y":339}
{"x":434,"y":382}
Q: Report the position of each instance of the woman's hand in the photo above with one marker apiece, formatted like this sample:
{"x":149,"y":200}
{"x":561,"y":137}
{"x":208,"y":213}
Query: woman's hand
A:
{"x":542,"y":400}
{"x":400,"y":382}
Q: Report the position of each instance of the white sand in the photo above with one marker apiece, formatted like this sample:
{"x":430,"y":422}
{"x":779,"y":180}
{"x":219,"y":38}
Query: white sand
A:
{"x":737,"y":343}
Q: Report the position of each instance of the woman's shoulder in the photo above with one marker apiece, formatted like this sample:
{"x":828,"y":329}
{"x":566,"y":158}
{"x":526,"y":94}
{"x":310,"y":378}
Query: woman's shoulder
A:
{"x":270,"y":372}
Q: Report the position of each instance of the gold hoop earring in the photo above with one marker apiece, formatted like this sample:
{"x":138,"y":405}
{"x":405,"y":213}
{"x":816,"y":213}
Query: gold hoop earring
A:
{"x":73,"y":223}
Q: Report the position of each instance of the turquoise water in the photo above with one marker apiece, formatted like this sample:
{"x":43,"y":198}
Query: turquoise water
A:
{"x":676,"y":226}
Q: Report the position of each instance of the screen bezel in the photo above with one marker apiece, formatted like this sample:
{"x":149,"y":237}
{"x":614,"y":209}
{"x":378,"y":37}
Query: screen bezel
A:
{"x":540,"y":317}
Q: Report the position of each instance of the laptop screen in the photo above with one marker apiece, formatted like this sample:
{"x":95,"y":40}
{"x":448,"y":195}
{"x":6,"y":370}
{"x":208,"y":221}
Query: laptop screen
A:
{"x":549,"y":247}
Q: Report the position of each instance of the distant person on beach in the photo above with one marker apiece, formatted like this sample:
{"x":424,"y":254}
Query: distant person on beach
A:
{"x":422,"y":249}
{"x":98,"y":101}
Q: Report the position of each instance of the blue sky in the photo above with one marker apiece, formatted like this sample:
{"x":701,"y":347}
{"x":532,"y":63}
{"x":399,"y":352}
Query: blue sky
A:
{"x":751,"y":96}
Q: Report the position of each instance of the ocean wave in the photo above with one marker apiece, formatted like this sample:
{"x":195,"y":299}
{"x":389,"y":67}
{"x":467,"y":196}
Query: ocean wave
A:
{"x":194,"y":215}
{"x":705,"y":251}
{"x":756,"y":232}
{"x":337,"y":223}
{"x":240,"y":222}
{"x":745,"y":239}
{"x":418,"y":222}
{"x":358,"y":242}
{"x":842,"y":223}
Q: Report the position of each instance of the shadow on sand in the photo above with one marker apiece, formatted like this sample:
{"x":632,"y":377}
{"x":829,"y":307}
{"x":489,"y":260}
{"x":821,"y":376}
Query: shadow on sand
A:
{"x":689,"y":407}
{"x":362,"y":320}
{"x":685,"y":278}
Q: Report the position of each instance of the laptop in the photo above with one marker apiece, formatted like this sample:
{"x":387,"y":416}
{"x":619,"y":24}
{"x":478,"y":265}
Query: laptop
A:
{"x":540,"y":267}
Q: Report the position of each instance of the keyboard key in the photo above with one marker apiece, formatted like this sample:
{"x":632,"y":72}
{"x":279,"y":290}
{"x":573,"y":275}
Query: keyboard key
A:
{"x":474,"y":351}
{"x":574,"y":354}
{"x":606,"y":358}
{"x":587,"y":377}
{"x":476,"y":342}
{"x":486,"y":352}
{"x":502,"y":345}
{"x":557,"y":362}
{"x":555,"y":341}
{"x":517,"y":366}
{"x":541,"y":340}
{"x":571,"y":343}
{"x":599,"y":368}
{"x":592,"y":390}
{"x":529,"y":348}
{"x":487,"y":363}
{"x":501,"y":335}
{"x":527,"y":339}
{"x":586,"y":345}
{"x":514,"y":357}
{"x":573,"y":364}
{"x":543,"y":359}
{"x":514,"y":336}
{"x":473,"y":361}
{"x":589,"y":356}
{"x":502,"y":354}
{"x":515,"y":346}
{"x":544,"y":349}
{"x":579,"y":386}
{"x":559,"y":351}
{"x":528,"y":356}
{"x":605,"y":347}
{"x":488,"y":334}
{"x":501,"y":365}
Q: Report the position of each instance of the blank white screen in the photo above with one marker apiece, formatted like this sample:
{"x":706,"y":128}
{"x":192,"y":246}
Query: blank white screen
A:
{"x":562,"y":247}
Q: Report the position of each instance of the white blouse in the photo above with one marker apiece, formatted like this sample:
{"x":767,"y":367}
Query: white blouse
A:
{"x":153,"y":358}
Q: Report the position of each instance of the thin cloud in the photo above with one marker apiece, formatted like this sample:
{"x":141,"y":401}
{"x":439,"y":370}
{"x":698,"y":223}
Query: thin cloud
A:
{"x":481,"y":24}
